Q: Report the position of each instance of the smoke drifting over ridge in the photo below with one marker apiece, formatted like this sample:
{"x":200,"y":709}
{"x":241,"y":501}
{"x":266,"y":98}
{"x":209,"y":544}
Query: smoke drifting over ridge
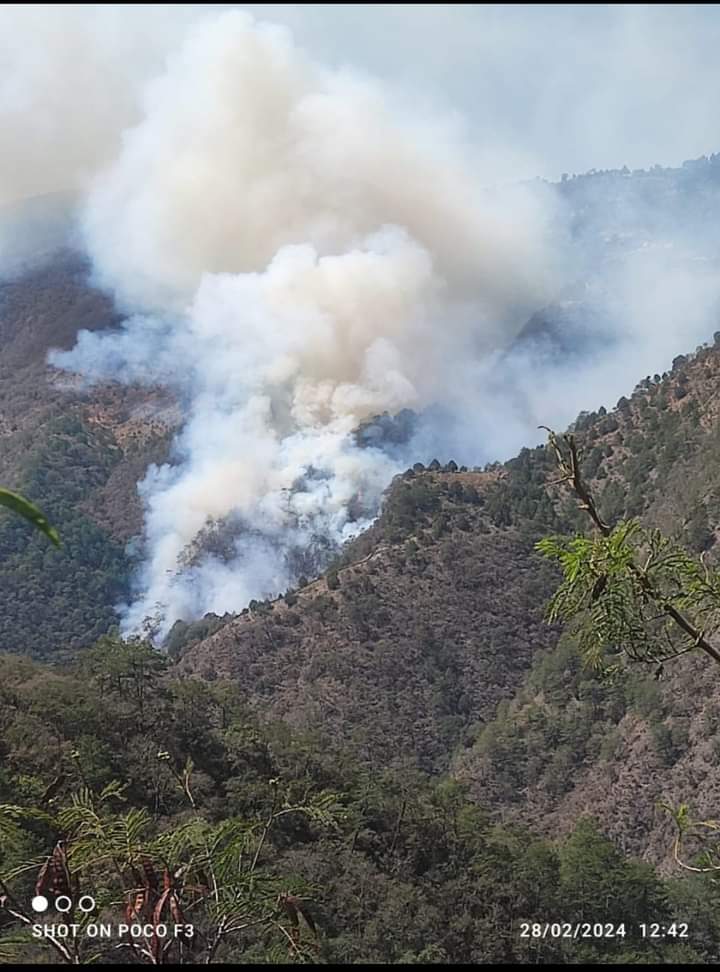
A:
{"x":297,"y":249}
{"x":299,"y":255}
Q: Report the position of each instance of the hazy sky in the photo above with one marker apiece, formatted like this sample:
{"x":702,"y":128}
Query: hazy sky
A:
{"x":536,"y":90}
{"x":545,"y":88}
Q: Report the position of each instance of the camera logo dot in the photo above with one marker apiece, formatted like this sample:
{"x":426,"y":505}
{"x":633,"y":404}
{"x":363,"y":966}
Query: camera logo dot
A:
{"x":40,"y":903}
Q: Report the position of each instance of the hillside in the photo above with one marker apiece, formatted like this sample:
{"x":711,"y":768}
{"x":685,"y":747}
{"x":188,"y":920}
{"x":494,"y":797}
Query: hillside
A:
{"x":399,"y":868}
{"x":79,"y":455}
{"x":425,"y":624}
{"x":568,"y":742}
{"x":85,"y":471}
{"x":429,"y":637}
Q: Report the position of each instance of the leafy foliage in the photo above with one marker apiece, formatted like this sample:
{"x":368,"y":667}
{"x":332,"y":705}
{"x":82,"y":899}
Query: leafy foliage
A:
{"x":629,"y":588}
{"x":626,"y":590}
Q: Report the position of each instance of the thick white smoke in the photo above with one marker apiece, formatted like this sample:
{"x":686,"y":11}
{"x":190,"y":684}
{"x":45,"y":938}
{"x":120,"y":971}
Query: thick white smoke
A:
{"x":299,"y":253}
{"x":246,"y":145}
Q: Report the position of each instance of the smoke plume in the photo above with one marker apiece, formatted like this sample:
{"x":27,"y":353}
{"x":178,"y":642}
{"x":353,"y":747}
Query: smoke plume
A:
{"x":297,"y":253}
{"x":298,"y":247}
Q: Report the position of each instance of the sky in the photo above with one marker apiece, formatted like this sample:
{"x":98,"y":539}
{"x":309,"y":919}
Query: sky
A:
{"x":544,"y":88}
{"x":538,"y":90}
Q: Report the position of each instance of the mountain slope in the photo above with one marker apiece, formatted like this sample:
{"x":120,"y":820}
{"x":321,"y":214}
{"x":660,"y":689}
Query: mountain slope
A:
{"x":569,"y":742}
{"x":78,"y":455}
{"x":434,"y":637}
{"x":429,"y":621}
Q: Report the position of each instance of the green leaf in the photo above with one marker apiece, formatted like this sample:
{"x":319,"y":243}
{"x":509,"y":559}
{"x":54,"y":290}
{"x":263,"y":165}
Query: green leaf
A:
{"x":26,"y":509}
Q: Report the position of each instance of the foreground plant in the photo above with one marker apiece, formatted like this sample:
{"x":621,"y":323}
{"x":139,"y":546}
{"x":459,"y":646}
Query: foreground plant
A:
{"x":28,"y":511}
{"x":626,"y":588}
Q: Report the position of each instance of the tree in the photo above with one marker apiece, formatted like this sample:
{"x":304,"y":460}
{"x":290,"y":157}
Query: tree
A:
{"x":128,"y":668}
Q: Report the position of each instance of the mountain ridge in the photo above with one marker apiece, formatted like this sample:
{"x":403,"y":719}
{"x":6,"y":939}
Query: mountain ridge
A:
{"x":657,"y":751}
